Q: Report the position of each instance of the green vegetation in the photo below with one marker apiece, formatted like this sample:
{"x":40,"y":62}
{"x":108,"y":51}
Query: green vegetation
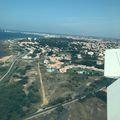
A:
{"x":82,"y":71}
{"x":13,"y":101}
{"x":102,"y":82}
{"x":57,"y":101}
{"x":1,"y":63}
{"x":23,"y":70}
{"x":12,"y":98}
{"x":102,"y":95}
{"x":3,"y":69}
{"x":50,"y":53}
{"x":60,"y":108}
{"x":36,"y":97}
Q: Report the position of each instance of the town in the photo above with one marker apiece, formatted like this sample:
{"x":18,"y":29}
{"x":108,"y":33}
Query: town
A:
{"x":60,"y":55}
{"x":56,"y":73}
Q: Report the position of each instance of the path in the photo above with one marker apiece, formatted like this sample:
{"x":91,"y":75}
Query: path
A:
{"x":45,"y":101}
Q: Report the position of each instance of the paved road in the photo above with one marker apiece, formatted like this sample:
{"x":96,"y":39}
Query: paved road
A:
{"x":12,"y":65}
{"x":49,"y":109}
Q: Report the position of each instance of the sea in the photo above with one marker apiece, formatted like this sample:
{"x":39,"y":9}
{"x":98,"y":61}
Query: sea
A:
{"x":2,"y":53}
{"x":14,"y":35}
{"x":10,"y":36}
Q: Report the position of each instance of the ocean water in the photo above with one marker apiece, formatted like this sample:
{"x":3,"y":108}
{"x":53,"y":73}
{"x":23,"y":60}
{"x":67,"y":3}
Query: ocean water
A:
{"x":2,"y":53}
{"x":9,"y":35}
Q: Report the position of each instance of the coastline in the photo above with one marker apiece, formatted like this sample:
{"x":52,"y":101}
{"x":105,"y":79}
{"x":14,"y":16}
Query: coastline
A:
{"x":4,"y":49}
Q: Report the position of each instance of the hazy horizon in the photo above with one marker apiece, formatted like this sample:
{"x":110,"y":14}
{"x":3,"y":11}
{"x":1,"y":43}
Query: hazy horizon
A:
{"x":76,"y":17}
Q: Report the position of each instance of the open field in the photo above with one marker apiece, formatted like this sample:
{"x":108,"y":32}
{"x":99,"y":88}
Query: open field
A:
{"x":91,"y":109}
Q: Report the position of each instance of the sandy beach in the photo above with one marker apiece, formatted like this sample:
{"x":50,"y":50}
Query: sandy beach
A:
{"x":6,"y":58}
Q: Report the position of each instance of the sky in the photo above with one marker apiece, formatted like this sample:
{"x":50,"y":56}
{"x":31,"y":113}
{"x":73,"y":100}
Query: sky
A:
{"x":78,"y":17}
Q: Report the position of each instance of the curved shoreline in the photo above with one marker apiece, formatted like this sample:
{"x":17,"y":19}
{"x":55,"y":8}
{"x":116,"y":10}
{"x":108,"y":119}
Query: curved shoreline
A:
{"x":4,"y":50}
